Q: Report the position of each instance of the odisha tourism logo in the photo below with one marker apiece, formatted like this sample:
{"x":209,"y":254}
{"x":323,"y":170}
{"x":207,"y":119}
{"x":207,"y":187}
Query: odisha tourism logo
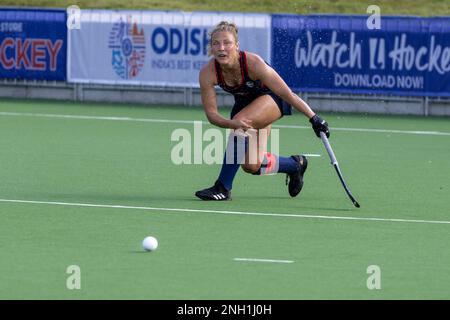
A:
{"x":128,"y":48}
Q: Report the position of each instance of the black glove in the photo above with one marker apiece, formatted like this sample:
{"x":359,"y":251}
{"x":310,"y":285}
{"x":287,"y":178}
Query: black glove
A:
{"x":318,"y":125}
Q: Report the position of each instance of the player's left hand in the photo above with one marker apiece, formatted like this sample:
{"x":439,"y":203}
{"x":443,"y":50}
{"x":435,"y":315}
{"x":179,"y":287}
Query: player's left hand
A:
{"x":319,"y":125}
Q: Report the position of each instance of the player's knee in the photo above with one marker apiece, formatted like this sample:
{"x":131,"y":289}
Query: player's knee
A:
{"x":251,"y":168}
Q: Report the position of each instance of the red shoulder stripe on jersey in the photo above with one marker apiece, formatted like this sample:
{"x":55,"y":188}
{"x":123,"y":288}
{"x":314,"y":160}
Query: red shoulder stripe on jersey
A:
{"x":244,"y":67}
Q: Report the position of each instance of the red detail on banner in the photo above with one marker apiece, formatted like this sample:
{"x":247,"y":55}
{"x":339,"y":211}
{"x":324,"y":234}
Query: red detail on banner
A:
{"x":29,"y":53}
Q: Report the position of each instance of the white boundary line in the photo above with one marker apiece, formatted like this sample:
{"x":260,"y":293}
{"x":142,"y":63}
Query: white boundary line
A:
{"x":262,"y":260}
{"x":311,"y":155}
{"x":267,"y":214}
{"x":84,"y":117}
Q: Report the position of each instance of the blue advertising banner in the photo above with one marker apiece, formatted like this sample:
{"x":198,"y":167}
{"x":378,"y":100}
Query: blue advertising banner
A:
{"x":33,"y":44}
{"x":322,"y":53}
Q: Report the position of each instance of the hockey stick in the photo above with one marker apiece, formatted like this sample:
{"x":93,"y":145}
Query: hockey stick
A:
{"x":336,"y":166}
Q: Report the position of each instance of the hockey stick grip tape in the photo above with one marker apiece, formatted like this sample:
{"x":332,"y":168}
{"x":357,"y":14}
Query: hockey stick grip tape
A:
{"x":328,"y":147}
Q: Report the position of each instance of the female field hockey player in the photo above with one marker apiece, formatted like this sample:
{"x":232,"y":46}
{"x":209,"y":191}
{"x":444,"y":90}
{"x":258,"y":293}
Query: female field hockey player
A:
{"x":261,"y":97}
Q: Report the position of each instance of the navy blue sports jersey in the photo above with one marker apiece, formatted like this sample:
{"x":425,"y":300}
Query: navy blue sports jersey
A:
{"x":248,"y":90}
{"x":247,"y":87}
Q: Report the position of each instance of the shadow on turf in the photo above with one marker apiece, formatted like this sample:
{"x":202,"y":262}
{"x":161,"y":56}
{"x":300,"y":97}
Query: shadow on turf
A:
{"x":140,"y":251}
{"x":258,"y":201}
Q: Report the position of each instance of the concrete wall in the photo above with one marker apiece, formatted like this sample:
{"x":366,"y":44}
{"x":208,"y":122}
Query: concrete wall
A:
{"x":191,"y":97}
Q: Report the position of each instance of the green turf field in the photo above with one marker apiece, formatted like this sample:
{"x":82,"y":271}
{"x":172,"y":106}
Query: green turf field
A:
{"x":62,"y":166}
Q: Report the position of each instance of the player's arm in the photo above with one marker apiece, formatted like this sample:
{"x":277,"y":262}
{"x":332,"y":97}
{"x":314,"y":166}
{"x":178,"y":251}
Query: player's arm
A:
{"x":209,"y":101}
{"x":259,"y":69}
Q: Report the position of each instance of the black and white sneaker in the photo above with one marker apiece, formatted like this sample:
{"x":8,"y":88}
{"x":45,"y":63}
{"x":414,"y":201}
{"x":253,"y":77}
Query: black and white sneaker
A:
{"x":216,"y":193}
{"x":296,"y":178}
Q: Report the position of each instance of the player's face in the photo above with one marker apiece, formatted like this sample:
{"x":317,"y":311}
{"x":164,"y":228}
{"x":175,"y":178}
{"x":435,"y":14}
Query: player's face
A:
{"x":224,"y":47}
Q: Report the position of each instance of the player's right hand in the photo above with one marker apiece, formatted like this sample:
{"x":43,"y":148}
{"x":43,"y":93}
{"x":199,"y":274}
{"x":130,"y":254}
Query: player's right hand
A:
{"x":319,"y":125}
{"x":243,"y":124}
